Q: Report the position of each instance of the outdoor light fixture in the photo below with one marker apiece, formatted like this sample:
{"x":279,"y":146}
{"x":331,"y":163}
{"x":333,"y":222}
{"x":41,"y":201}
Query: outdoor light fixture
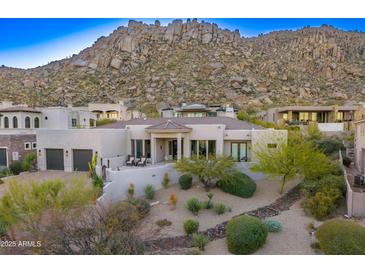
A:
{"x":39,"y":152}
{"x":66,"y":153}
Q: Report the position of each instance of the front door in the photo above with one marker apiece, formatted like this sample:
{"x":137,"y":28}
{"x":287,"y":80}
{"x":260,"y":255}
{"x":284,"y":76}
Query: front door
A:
{"x":239,"y":152}
{"x":173,"y":148}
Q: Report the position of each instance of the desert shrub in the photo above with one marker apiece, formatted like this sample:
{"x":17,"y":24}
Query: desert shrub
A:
{"x":104,"y":122}
{"x":125,"y":215}
{"x":163,"y":222}
{"x":142,"y":206}
{"x":194,"y":205}
{"x":173,"y":200}
{"x":16,"y":167}
{"x":273,"y":226}
{"x":208,"y":204}
{"x":220,"y":208}
{"x":245,"y":235}
{"x":346,"y":161}
{"x":199,"y":241}
{"x":29,"y":162}
{"x":5,"y":172}
{"x":191,"y":226}
{"x":329,"y":145}
{"x":185,"y":181}
{"x":166,"y":180}
{"x":239,"y":184}
{"x":150,"y":192}
{"x":130,"y":191}
{"x":97,"y":181}
{"x":324,"y":202}
{"x":1,"y":181}
{"x":2,"y":227}
{"x":341,"y":237}
{"x":312,"y":186}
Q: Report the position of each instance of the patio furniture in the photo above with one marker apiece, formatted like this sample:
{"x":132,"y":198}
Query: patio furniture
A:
{"x":130,"y":161}
{"x":142,"y":161}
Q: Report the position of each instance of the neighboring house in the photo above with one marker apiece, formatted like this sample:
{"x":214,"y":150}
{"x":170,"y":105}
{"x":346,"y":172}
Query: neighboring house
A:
{"x":121,"y":111}
{"x":67,"y":117}
{"x":160,"y":140}
{"x":328,"y":118}
{"x":18,"y":126}
{"x":360,"y":146}
{"x":199,"y":110}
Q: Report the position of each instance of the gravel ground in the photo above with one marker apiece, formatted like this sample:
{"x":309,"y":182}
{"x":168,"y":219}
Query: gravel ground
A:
{"x":294,"y":239}
{"x":267,"y":191}
{"x":28,"y":177}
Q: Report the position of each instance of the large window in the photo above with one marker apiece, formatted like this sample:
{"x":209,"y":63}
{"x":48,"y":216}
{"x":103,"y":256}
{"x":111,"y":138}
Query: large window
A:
{"x":239,"y":152}
{"x":15,"y":122}
{"x":6,"y":122}
{"x":139,"y":148}
{"x":211,"y":147}
{"x":36,"y":122}
{"x":74,"y":122}
{"x":132,"y":147}
{"x":193,"y":148}
{"x":203,"y":148}
{"x":27,"y":122}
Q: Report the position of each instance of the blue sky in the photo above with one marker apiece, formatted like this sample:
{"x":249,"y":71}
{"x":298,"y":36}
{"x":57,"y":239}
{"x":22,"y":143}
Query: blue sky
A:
{"x":26,"y":43}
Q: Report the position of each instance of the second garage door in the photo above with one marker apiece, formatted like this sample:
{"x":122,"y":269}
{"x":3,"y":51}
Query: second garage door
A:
{"x":81,"y":159}
{"x":54,"y":159}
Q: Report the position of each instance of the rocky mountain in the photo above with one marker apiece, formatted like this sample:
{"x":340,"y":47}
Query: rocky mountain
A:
{"x":197,"y":61}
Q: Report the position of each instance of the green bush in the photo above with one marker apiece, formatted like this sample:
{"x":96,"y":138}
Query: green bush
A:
{"x":163,"y":222}
{"x":29,"y":162}
{"x":341,"y":237}
{"x":239,"y":185}
{"x":150,"y":192}
{"x":312,"y":186}
{"x":97,"y":180}
{"x":142,"y":206}
{"x":104,"y":122}
{"x":220,"y":208}
{"x":191,"y":226}
{"x":324,"y":202}
{"x":194,"y":205}
{"x":346,"y":161}
{"x":16,"y":167}
{"x":273,"y":226}
{"x":1,"y":181}
{"x":329,"y":145}
{"x":245,"y":235}
{"x":200,"y":241}
{"x":3,"y":228}
{"x":185,"y":181}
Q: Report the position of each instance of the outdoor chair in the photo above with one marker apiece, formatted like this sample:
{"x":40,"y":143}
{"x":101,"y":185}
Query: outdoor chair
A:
{"x":142,"y":161}
{"x":130,"y":161}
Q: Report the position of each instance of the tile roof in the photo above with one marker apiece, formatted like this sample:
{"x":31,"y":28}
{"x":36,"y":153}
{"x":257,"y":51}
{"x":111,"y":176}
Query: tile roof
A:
{"x":19,"y":109}
{"x":168,"y":125}
{"x":230,"y":123}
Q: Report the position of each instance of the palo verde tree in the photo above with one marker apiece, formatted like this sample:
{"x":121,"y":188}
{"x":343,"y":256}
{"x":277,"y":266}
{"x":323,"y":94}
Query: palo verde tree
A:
{"x":207,"y":170}
{"x":297,"y":157}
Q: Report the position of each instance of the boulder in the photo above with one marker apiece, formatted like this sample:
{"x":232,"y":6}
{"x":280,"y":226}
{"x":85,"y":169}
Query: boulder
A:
{"x":116,"y":63}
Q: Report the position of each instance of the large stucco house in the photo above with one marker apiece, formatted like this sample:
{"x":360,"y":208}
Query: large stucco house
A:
{"x":328,"y":118}
{"x":160,"y":140}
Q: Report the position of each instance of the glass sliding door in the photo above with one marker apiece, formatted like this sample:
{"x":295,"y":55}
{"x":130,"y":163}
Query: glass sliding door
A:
{"x":147,"y":148}
{"x":202,"y":149}
{"x":193,"y":148}
{"x":139,"y":148}
{"x":211,"y":147}
{"x":239,"y":152}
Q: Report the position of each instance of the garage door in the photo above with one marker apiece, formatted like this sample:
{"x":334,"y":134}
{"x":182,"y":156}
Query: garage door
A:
{"x":3,"y":158}
{"x":54,"y":159}
{"x":82,"y":158}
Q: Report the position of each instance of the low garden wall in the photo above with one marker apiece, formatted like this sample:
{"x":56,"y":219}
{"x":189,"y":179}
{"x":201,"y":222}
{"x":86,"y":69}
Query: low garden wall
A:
{"x":355,"y":201}
{"x":118,"y":182}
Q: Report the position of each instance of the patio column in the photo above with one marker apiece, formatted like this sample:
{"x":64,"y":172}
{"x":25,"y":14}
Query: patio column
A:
{"x":153,"y":150}
{"x":179,"y":146}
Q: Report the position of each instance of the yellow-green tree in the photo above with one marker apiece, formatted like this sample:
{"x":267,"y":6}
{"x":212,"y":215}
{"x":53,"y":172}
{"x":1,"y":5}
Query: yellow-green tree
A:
{"x":297,"y":157}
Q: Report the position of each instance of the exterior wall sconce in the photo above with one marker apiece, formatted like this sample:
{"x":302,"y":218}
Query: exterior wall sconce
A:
{"x":39,"y":152}
{"x":66,"y":153}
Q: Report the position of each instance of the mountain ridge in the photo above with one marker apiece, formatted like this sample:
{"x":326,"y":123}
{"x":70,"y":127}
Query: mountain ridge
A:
{"x":195,"y":61}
